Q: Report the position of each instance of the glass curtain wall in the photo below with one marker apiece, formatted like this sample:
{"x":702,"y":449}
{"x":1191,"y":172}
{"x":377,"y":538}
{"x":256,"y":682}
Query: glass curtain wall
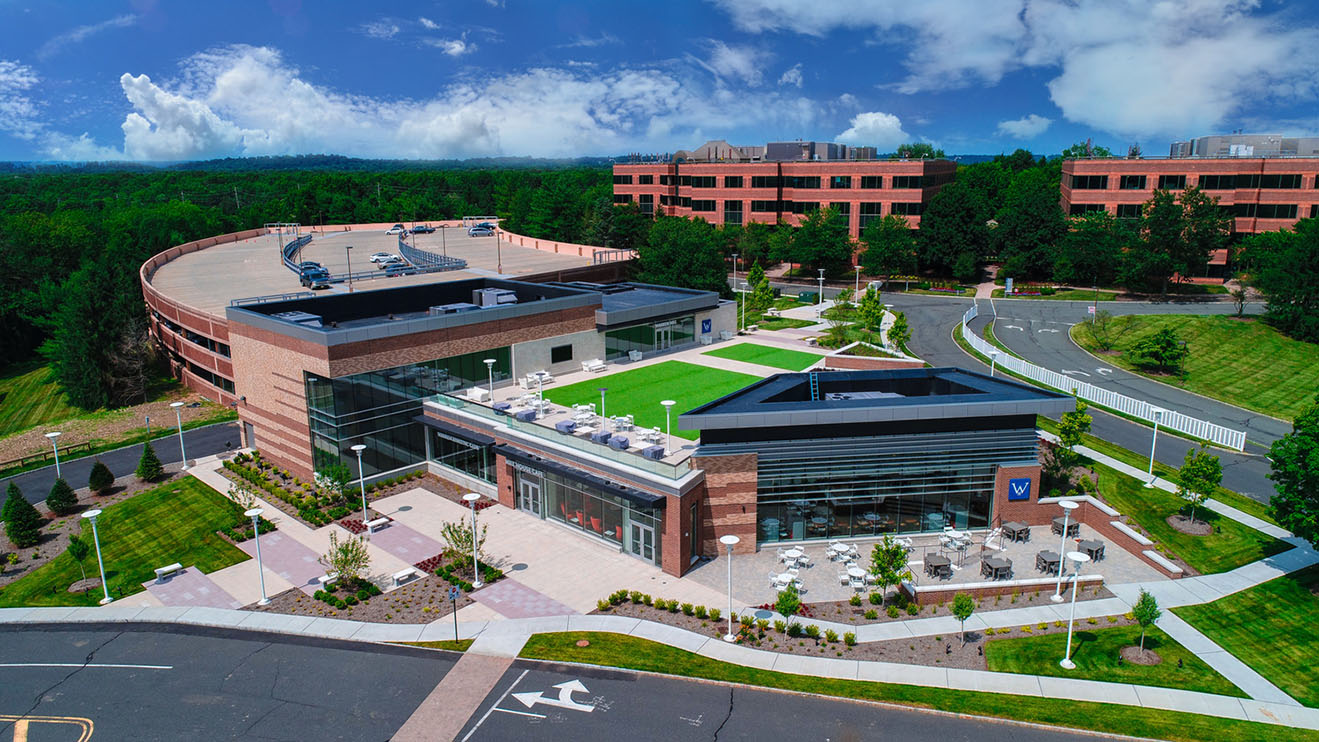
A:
{"x":469,"y":458}
{"x":378,"y":408}
{"x":634,"y":529}
{"x":647,"y":338}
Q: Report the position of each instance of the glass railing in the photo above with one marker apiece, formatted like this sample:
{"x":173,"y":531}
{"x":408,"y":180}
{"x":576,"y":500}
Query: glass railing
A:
{"x":623,"y":458}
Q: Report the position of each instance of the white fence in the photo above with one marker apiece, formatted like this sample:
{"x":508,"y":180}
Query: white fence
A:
{"x":1234,"y":439}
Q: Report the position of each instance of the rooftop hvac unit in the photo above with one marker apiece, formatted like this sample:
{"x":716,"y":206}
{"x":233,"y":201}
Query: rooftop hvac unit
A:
{"x":461,"y":306}
{"x":493,"y":297}
{"x":300,"y":318}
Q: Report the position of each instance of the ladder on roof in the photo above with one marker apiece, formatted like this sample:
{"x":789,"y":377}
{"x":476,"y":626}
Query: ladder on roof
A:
{"x":815,"y":387}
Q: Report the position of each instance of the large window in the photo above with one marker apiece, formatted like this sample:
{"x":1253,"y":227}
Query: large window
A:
{"x":1172,"y":182}
{"x":1132,"y":183}
{"x":872,"y":181}
{"x":801,"y":181}
{"x":1217,"y":182}
{"x":647,"y":338}
{"x":622,"y":180}
{"x":1269,"y":181}
{"x":870,"y":212}
{"x":908,"y":209}
{"x":379,"y":408}
{"x":1090,"y":182}
{"x":803,"y":207}
{"x":1079,"y":209}
{"x":647,"y":203}
{"x":468,"y":458}
{"x":732,"y":181}
{"x":844,"y":208}
{"x":1128,"y":211}
{"x":840,"y":181}
{"x":622,"y":198}
{"x":703,"y":181}
{"x":907,"y":181}
{"x":764,"y":206}
{"x":645,"y":180}
{"x":633,"y":528}
{"x":732,"y":212}
{"x":702,"y":204}
{"x":1266,"y":211}
{"x":764,"y":181}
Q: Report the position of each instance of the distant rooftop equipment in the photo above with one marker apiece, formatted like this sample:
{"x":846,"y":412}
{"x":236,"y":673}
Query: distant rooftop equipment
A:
{"x":455,"y":308}
{"x":493,"y":297}
{"x":300,"y":318}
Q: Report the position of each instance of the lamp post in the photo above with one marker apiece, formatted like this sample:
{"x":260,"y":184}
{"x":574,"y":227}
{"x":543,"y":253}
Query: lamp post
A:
{"x":53,"y":436}
{"x":1079,"y":559}
{"x":746,"y":287}
{"x":96,"y":539}
{"x":490,"y":374}
{"x":993,"y":359}
{"x":1068,"y":506}
{"x":603,"y":389}
{"x":1154,"y":440}
{"x":730,"y":541}
{"x":540,"y":392}
{"x":856,"y":289}
{"x":178,"y":417}
{"x":148,"y":427}
{"x":471,"y":498}
{"x":348,"y":258}
{"x":255,"y":515}
{"x":668,"y":428}
{"x":361,"y":479}
{"x":735,"y":269}
{"x":819,"y":305}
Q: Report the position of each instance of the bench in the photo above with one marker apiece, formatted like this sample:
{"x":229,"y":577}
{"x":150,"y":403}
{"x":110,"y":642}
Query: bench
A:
{"x":326,"y":579}
{"x":404,"y":574}
{"x":595,"y":364}
{"x":478,"y":394}
{"x":162,"y":572}
{"x":707,"y":339}
{"x":372,"y":525}
{"x":725,"y":335}
{"x":634,"y":355}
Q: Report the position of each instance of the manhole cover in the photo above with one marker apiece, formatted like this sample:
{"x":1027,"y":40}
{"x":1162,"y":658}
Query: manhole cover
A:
{"x":404,"y":508}
{"x":518,"y":567}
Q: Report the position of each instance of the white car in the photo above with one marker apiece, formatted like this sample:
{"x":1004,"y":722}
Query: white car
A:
{"x":397,"y":229}
{"x":383,"y":257}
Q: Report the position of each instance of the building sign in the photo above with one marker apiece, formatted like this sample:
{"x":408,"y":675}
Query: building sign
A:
{"x":706,"y":326}
{"x":1007,"y":286}
{"x":528,"y":470}
{"x":1018,"y":489}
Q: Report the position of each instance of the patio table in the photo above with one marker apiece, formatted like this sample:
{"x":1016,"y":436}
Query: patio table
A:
{"x":1047,"y":561}
{"x":785,"y":578}
{"x":1091,"y":548}
{"x":793,"y":554}
{"x":938,"y":566}
{"x":1016,"y":531}
{"x":819,"y":521}
{"x":1073,"y":528}
{"x":856,"y":572}
{"x":998,"y":568}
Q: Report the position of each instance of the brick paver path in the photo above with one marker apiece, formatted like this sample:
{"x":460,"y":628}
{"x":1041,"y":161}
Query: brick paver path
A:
{"x":407,"y":544}
{"x":446,"y":710}
{"x":512,"y":599}
{"x":288,"y":559}
{"x":190,"y":587}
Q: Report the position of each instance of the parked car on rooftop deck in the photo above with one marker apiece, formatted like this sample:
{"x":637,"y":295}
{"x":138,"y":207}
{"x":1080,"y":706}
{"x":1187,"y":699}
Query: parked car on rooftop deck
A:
{"x":480,"y":232}
{"x":397,"y":229}
{"x":422,"y":229}
{"x":381,"y":257}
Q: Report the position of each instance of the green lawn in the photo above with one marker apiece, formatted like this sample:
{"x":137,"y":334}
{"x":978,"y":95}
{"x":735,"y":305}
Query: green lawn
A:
{"x":765,"y":355}
{"x":28,"y":397}
{"x":1095,"y":652}
{"x":1231,"y":545}
{"x":615,"y":650}
{"x":779,"y":323}
{"x":640,"y":391}
{"x":1245,"y":363}
{"x":1064,"y":295}
{"x":1270,"y":627}
{"x":175,"y":522}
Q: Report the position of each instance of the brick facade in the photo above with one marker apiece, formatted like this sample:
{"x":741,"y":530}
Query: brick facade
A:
{"x":867,"y":363}
{"x":1024,"y":511}
{"x":730,"y":485}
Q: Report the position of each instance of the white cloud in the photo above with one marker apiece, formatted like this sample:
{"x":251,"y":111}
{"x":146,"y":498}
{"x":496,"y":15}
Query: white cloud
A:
{"x":18,"y":112}
{"x":382,"y":29}
{"x":247,"y":101}
{"x":792,"y":76}
{"x":742,"y":63}
{"x":453,"y":47}
{"x":1026,"y":127}
{"x":584,"y":42}
{"x":57,"y":43}
{"x":848,"y":100}
{"x":428,"y":24}
{"x":875,"y":128}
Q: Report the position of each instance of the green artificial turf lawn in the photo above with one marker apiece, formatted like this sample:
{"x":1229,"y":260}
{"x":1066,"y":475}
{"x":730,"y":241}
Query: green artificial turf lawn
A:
{"x":28,"y":397}
{"x":615,"y":650}
{"x":765,"y":355}
{"x":1063,"y":295}
{"x":1231,"y":545}
{"x":1245,"y":363}
{"x":1270,"y":627}
{"x":639,"y":392}
{"x":1095,"y":652}
{"x":175,"y":522}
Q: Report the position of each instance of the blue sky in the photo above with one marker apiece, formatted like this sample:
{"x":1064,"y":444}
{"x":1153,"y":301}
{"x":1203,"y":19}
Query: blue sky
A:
{"x":148,"y":80}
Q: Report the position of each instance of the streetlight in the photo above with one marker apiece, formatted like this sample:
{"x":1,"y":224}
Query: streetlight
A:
{"x":361,"y":478}
{"x":255,"y":515}
{"x":746,"y":287}
{"x":490,"y":373}
{"x":668,"y":429}
{"x":856,"y":289}
{"x":819,"y":305}
{"x":471,"y":498}
{"x":96,"y":539}
{"x":1154,"y":440}
{"x":735,"y":268}
{"x":730,"y":541}
{"x":55,"y":444}
{"x":540,"y":391}
{"x":1079,"y":559}
{"x":993,"y":359}
{"x":178,"y":416}
{"x":348,"y":257}
{"x":603,"y":389}
{"x":1068,"y":506}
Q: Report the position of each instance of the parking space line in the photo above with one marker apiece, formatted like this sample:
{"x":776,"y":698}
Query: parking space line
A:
{"x":79,"y":664}
{"x":492,"y":706}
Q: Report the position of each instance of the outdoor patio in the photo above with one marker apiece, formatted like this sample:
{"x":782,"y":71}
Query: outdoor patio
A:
{"x":821,"y":581}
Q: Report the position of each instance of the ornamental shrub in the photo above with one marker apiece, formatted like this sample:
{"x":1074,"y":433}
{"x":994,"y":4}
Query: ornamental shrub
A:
{"x":363,"y":595}
{"x":715,"y":613}
{"x":892,"y":611}
{"x":701,"y":612}
{"x":149,"y":468}
{"x":688,"y":609}
{"x":100,"y":479}
{"x":61,"y":499}
{"x":872,"y":614}
{"x":22,"y":521}
{"x":855,"y":600}
{"x":634,"y":596}
{"x":876,"y":598}
{"x":813,"y":631}
{"x":795,"y":629}
{"x":849,"y":639}
{"x":830,"y":636}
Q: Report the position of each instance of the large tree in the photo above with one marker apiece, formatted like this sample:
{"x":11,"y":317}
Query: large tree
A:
{"x":1086,"y":149}
{"x":890,"y":247}
{"x":1030,"y":224}
{"x":1091,"y":250}
{"x":1285,"y":268}
{"x":820,"y":242}
{"x":1180,"y":233}
{"x":917,"y":151}
{"x":1294,"y":464}
{"x":682,"y":252}
{"x":956,"y":224}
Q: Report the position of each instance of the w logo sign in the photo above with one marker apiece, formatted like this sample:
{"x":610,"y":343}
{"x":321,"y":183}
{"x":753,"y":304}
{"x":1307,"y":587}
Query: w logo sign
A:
{"x":1018,"y":489}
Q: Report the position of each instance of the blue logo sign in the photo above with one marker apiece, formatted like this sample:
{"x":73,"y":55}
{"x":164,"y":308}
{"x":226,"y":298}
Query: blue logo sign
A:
{"x":1018,"y":489}
{"x":707,"y":325}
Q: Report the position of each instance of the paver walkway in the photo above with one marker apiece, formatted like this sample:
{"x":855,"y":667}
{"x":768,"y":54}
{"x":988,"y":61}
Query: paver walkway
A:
{"x":453,"y":701}
{"x":189,"y":587}
{"x":288,"y":559}
{"x":515,"y":600}
{"x":407,"y":544}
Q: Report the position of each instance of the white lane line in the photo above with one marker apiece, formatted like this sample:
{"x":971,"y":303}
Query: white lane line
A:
{"x":79,"y":664}
{"x":492,"y":706}
{"x":519,"y":713}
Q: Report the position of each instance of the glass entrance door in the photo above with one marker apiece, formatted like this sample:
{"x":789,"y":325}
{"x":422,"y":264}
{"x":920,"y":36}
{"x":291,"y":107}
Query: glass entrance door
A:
{"x":663,"y":338}
{"x":529,"y":495}
{"x":643,"y":542}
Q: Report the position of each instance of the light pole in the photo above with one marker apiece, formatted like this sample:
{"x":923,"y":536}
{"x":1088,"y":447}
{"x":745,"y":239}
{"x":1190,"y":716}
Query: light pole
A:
{"x":540,"y":392}
{"x":178,"y":417}
{"x":1079,"y":559}
{"x":819,"y":305}
{"x":1154,"y":440}
{"x":603,"y":389}
{"x":993,"y":359}
{"x":148,"y":427}
{"x":856,"y":289}
{"x":348,"y":257}
{"x":471,"y":498}
{"x":54,"y":442}
{"x":1068,"y":506}
{"x":490,"y":373}
{"x":668,"y":426}
{"x":255,"y":515}
{"x":730,"y":541}
{"x":361,"y":478}
{"x":735,"y":268}
{"x":745,"y":288}
{"x":96,"y":539}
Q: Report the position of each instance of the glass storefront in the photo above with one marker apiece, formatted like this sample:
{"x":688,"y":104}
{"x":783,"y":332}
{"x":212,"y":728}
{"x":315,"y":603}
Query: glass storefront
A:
{"x":469,"y":458}
{"x":632,"y":528}
{"x":647,"y":338}
{"x":379,"y":408}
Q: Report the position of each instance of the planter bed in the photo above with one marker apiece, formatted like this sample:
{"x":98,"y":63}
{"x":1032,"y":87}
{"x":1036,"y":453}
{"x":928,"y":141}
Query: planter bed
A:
{"x":420,"y":601}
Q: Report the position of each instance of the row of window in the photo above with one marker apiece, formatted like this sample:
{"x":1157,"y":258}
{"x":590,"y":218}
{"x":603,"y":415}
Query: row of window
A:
{"x":775,"y":181}
{"x":1268,"y":181}
{"x":215,"y":346}
{"x":1242,"y":211}
{"x":211,"y":377}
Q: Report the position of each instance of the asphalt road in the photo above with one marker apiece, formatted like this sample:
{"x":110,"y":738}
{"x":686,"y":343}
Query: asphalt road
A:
{"x":208,"y":684}
{"x":634,"y":707}
{"x":199,"y":442}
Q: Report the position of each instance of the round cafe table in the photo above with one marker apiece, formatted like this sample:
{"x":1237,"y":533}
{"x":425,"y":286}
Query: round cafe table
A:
{"x":817,"y":520}
{"x":856,"y":572}
{"x":792,"y":553}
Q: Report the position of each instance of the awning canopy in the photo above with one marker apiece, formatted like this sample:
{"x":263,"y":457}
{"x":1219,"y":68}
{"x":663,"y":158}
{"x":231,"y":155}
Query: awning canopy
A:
{"x":455,"y":431}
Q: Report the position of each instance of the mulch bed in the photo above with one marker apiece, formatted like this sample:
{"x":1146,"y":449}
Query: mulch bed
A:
{"x":420,"y":601}
{"x":844,"y":612}
{"x":1184,"y":524}
{"x":429,"y":482}
{"x":1133,"y":655}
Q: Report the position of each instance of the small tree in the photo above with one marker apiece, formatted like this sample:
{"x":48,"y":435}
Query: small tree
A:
{"x":761,"y":296}
{"x":1294,"y":469}
{"x":100,"y":479}
{"x":1146,"y":612}
{"x":1163,"y":350}
{"x":1201,"y":473}
{"x":888,"y":563}
{"x":1061,"y":458}
{"x":348,"y":559}
{"x":22,"y":521}
{"x":458,"y":536}
{"x":870,"y":311}
{"x":335,"y":479}
{"x":963,"y":606}
{"x":1239,"y":299}
{"x":78,"y":551}
{"x":1107,"y":329}
{"x":149,"y":468}
{"x":62,"y":500}
{"x":788,"y":603}
{"x":898,"y":332}
{"x":10,"y":493}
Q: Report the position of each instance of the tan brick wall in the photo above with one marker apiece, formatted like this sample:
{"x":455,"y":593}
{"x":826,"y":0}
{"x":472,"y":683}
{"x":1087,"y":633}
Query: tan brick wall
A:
{"x":1029,"y":511}
{"x":865,"y":363}
{"x":270,"y":377}
{"x":730,"y":484}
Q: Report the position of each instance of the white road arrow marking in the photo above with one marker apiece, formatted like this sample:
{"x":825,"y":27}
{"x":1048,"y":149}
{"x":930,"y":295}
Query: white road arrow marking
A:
{"x":1104,"y":371}
{"x":1014,"y":327}
{"x":1048,"y":329}
{"x":564,"y":700}
{"x":1078,"y":373}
